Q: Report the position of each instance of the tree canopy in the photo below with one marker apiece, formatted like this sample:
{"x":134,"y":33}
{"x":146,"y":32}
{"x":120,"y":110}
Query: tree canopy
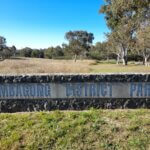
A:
{"x":2,"y":42}
{"x":125,"y":18}
{"x":79,"y":41}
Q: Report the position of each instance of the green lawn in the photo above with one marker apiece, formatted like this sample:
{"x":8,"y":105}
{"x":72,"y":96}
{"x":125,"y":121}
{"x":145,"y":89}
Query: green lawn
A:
{"x":93,"y":130}
{"x":112,"y":67}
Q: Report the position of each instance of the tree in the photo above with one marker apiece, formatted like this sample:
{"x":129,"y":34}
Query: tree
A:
{"x":79,"y":42}
{"x":66,"y":50}
{"x":143,"y":43}
{"x":119,"y":12}
{"x":35,"y":53}
{"x":41,"y":53}
{"x":54,"y":52}
{"x":26,"y":52}
{"x":14,"y":50}
{"x":48,"y":53}
{"x":2,"y":43}
{"x":121,"y":42}
{"x":58,"y":52}
{"x":6,"y":52}
{"x":99,"y":51}
{"x":76,"y":48}
{"x":124,"y":18}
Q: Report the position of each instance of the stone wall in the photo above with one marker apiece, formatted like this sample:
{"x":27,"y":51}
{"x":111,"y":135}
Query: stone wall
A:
{"x":72,"y":103}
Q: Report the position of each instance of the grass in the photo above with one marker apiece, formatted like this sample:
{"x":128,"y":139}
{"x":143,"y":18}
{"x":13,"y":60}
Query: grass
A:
{"x":87,"y":130}
{"x":113,"y":68}
{"x":27,"y":65}
{"x":34,"y":65}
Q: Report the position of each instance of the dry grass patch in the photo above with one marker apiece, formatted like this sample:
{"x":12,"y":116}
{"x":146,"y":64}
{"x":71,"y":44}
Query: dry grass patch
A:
{"x":35,"y":65}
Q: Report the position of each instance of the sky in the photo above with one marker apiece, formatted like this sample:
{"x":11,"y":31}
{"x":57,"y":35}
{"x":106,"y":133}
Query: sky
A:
{"x":43,"y":23}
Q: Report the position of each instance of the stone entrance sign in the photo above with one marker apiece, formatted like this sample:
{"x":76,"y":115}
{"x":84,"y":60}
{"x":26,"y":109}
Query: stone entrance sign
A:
{"x":20,"y":93}
{"x":74,"y":90}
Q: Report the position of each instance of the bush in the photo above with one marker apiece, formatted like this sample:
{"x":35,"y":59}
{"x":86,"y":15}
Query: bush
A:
{"x":26,"y":52}
{"x":95,"y":55}
{"x":135,"y":57}
{"x":37,"y":54}
{"x":6,"y":53}
{"x":54,"y":52}
{"x":48,"y":53}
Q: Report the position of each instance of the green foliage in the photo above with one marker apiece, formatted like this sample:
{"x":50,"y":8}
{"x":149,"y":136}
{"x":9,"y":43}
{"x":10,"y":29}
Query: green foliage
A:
{"x":143,"y":43}
{"x":120,"y":12}
{"x":2,"y":42}
{"x":125,"y":18}
{"x":79,"y":42}
{"x":76,"y":48}
{"x":37,"y":53}
{"x":100,"y":51}
{"x":58,"y":52}
{"x":6,"y":52}
{"x":49,"y":53}
{"x":83,"y":37}
{"x":95,"y":54}
{"x":26,"y":52}
{"x":54,"y":52}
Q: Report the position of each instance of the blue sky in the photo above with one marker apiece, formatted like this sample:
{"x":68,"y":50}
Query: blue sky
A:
{"x":43,"y":23}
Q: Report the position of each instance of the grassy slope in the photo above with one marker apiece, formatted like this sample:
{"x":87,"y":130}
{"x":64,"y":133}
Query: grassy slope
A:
{"x":26,"y":65}
{"x":93,"y":129}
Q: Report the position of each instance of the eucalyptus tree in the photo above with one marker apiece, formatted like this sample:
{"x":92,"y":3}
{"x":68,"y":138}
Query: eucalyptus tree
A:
{"x":143,"y":43}
{"x":5,"y":51}
{"x":124,"y":18}
{"x":120,"y":43}
{"x":100,"y":51}
{"x":2,"y":42}
{"x":79,"y":42}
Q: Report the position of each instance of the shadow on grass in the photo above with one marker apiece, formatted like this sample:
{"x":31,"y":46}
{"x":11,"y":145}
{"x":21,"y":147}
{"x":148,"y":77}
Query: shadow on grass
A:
{"x":18,"y":58}
{"x":97,"y":62}
{"x":13,"y":58}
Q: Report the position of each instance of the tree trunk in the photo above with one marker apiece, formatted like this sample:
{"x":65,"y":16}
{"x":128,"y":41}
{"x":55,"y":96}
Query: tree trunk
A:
{"x":107,"y":58}
{"x":118,"y":59}
{"x":145,"y":61}
{"x":124,"y":56}
{"x":75,"y":58}
{"x":125,"y":61}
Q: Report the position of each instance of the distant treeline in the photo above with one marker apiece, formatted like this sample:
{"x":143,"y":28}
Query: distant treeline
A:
{"x":98,"y":51}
